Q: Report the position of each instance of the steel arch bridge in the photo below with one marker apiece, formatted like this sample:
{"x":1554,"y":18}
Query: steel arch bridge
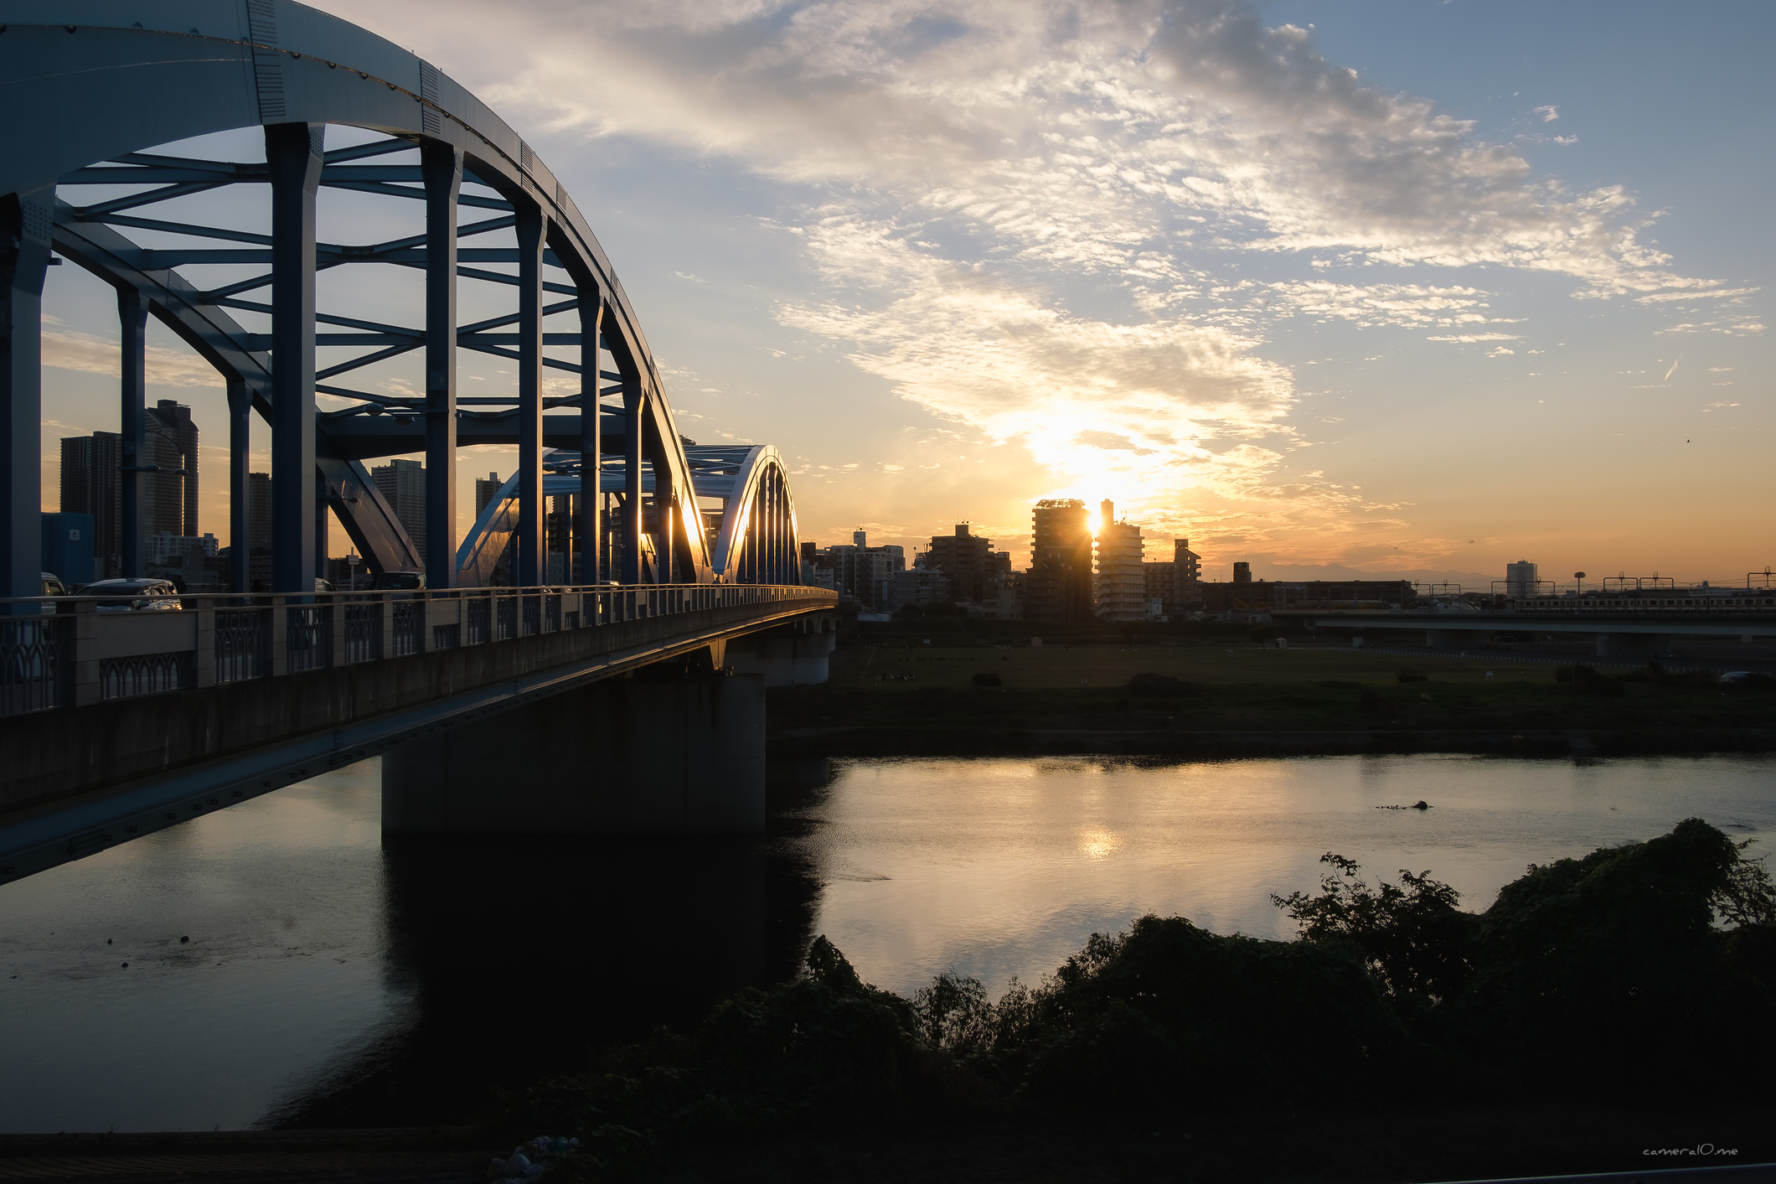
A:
{"x":92,"y":87}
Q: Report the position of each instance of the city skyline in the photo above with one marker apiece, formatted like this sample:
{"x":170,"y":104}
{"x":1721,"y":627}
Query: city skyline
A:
{"x":1357,"y":289}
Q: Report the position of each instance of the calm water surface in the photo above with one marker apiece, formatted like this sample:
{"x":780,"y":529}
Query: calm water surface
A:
{"x":329,"y":980}
{"x":999,"y":868}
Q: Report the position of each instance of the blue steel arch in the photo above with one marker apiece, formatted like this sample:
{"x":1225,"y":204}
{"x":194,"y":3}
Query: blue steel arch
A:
{"x":752,"y":531}
{"x":218,"y":65}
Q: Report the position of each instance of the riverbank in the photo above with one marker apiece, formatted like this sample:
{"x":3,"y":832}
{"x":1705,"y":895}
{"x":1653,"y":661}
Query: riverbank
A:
{"x":406,"y":1155}
{"x":1208,"y":700}
{"x":1397,"y":1038}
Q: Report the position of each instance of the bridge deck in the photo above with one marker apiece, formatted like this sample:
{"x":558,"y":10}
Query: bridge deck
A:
{"x":105,"y":764}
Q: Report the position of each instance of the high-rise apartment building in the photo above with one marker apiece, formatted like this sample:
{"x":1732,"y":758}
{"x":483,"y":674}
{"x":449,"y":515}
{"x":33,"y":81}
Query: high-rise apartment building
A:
{"x":1059,"y":586}
{"x":402,"y":483}
{"x":170,"y":487}
{"x":1120,"y":590}
{"x":1187,"y":567}
{"x":865,"y":573}
{"x":963,"y":559}
{"x":92,"y":481}
{"x":486,"y":491}
{"x":1520,"y":580}
{"x":258,"y":540}
{"x":91,"y":484}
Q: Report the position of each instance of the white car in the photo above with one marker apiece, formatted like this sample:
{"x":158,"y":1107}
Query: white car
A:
{"x":135,"y":595}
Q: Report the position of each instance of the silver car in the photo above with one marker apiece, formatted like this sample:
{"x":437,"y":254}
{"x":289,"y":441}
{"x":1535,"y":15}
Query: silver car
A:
{"x":135,"y":595}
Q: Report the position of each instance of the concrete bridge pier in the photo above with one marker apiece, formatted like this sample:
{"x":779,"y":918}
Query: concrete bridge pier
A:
{"x":670,"y":753}
{"x":796,"y":654}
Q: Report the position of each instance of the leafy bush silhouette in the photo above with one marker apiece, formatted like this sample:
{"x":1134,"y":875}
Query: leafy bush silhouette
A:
{"x":1413,"y":939}
{"x":1611,"y":960}
{"x":1647,"y":969}
{"x":1170,"y":1014}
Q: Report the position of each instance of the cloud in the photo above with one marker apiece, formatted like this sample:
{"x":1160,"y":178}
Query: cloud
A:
{"x":1737,"y":325}
{"x":1411,"y":306}
{"x":70,"y":349}
{"x":1472,"y":338}
{"x":1079,"y":134}
{"x":1062,"y":225}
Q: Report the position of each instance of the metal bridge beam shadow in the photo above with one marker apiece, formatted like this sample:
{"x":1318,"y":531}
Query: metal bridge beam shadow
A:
{"x":673,"y":750}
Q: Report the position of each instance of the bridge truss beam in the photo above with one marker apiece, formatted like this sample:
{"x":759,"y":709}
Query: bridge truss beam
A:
{"x":93,"y":184}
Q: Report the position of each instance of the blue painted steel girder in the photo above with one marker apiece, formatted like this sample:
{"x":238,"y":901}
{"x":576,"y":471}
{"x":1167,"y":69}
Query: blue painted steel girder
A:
{"x":216,"y":66}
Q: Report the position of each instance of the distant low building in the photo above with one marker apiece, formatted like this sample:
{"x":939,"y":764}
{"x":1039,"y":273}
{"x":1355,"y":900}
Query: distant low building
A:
{"x":1266,"y":596}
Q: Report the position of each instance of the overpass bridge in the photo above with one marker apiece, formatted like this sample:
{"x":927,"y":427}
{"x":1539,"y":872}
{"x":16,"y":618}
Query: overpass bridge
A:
{"x":176,"y":151}
{"x":1617,"y":632}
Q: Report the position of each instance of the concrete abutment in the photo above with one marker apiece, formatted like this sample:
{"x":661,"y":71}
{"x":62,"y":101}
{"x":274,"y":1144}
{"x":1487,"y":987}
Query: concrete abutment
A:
{"x":657,"y":754}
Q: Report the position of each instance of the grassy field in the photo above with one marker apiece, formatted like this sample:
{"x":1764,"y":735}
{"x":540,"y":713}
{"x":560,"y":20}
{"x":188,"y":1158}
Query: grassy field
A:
{"x":905,"y":696}
{"x":915,"y":666}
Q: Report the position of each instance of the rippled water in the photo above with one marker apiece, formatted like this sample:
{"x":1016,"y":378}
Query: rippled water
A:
{"x":330,"y":981}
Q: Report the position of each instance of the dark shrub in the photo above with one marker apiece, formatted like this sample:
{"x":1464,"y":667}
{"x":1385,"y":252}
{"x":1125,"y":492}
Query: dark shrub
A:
{"x":986,"y":678}
{"x":1171,"y":1015}
{"x":1613,"y":961}
{"x":1413,"y":939}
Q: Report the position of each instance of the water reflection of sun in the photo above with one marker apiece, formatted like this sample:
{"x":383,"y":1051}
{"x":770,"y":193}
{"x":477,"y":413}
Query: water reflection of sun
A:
{"x":1098,"y":843}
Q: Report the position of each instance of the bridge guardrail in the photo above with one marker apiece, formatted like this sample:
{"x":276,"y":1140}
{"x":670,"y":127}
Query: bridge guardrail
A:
{"x":63,"y":652}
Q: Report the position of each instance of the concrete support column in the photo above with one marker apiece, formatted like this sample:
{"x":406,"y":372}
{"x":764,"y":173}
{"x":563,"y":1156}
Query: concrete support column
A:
{"x":240,"y":546}
{"x":533,"y":227}
{"x":669,"y":756}
{"x":293,"y":157}
{"x":24,"y":259}
{"x":132,"y":323}
{"x":589,"y":529}
{"x":441,"y":167}
{"x":794,"y":655}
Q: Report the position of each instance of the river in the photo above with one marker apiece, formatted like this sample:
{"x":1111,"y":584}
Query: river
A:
{"x":276,"y":963}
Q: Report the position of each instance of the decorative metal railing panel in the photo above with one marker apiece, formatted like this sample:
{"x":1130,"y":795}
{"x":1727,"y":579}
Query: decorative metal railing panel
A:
{"x":409,"y":627}
{"x":29,"y":649}
{"x":505,"y":619}
{"x":144,"y":674}
{"x":363,"y":631}
{"x":480,"y":620}
{"x":243,"y":644}
{"x":308,"y":637}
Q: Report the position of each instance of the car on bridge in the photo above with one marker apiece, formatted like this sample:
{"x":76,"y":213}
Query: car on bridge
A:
{"x":399,"y":581}
{"x":135,"y":595}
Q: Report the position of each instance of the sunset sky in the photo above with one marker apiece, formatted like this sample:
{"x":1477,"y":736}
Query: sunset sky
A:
{"x":1382,"y":286}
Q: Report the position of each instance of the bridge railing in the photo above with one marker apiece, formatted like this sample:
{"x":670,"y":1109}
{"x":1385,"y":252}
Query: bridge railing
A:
{"x":77,"y":650}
